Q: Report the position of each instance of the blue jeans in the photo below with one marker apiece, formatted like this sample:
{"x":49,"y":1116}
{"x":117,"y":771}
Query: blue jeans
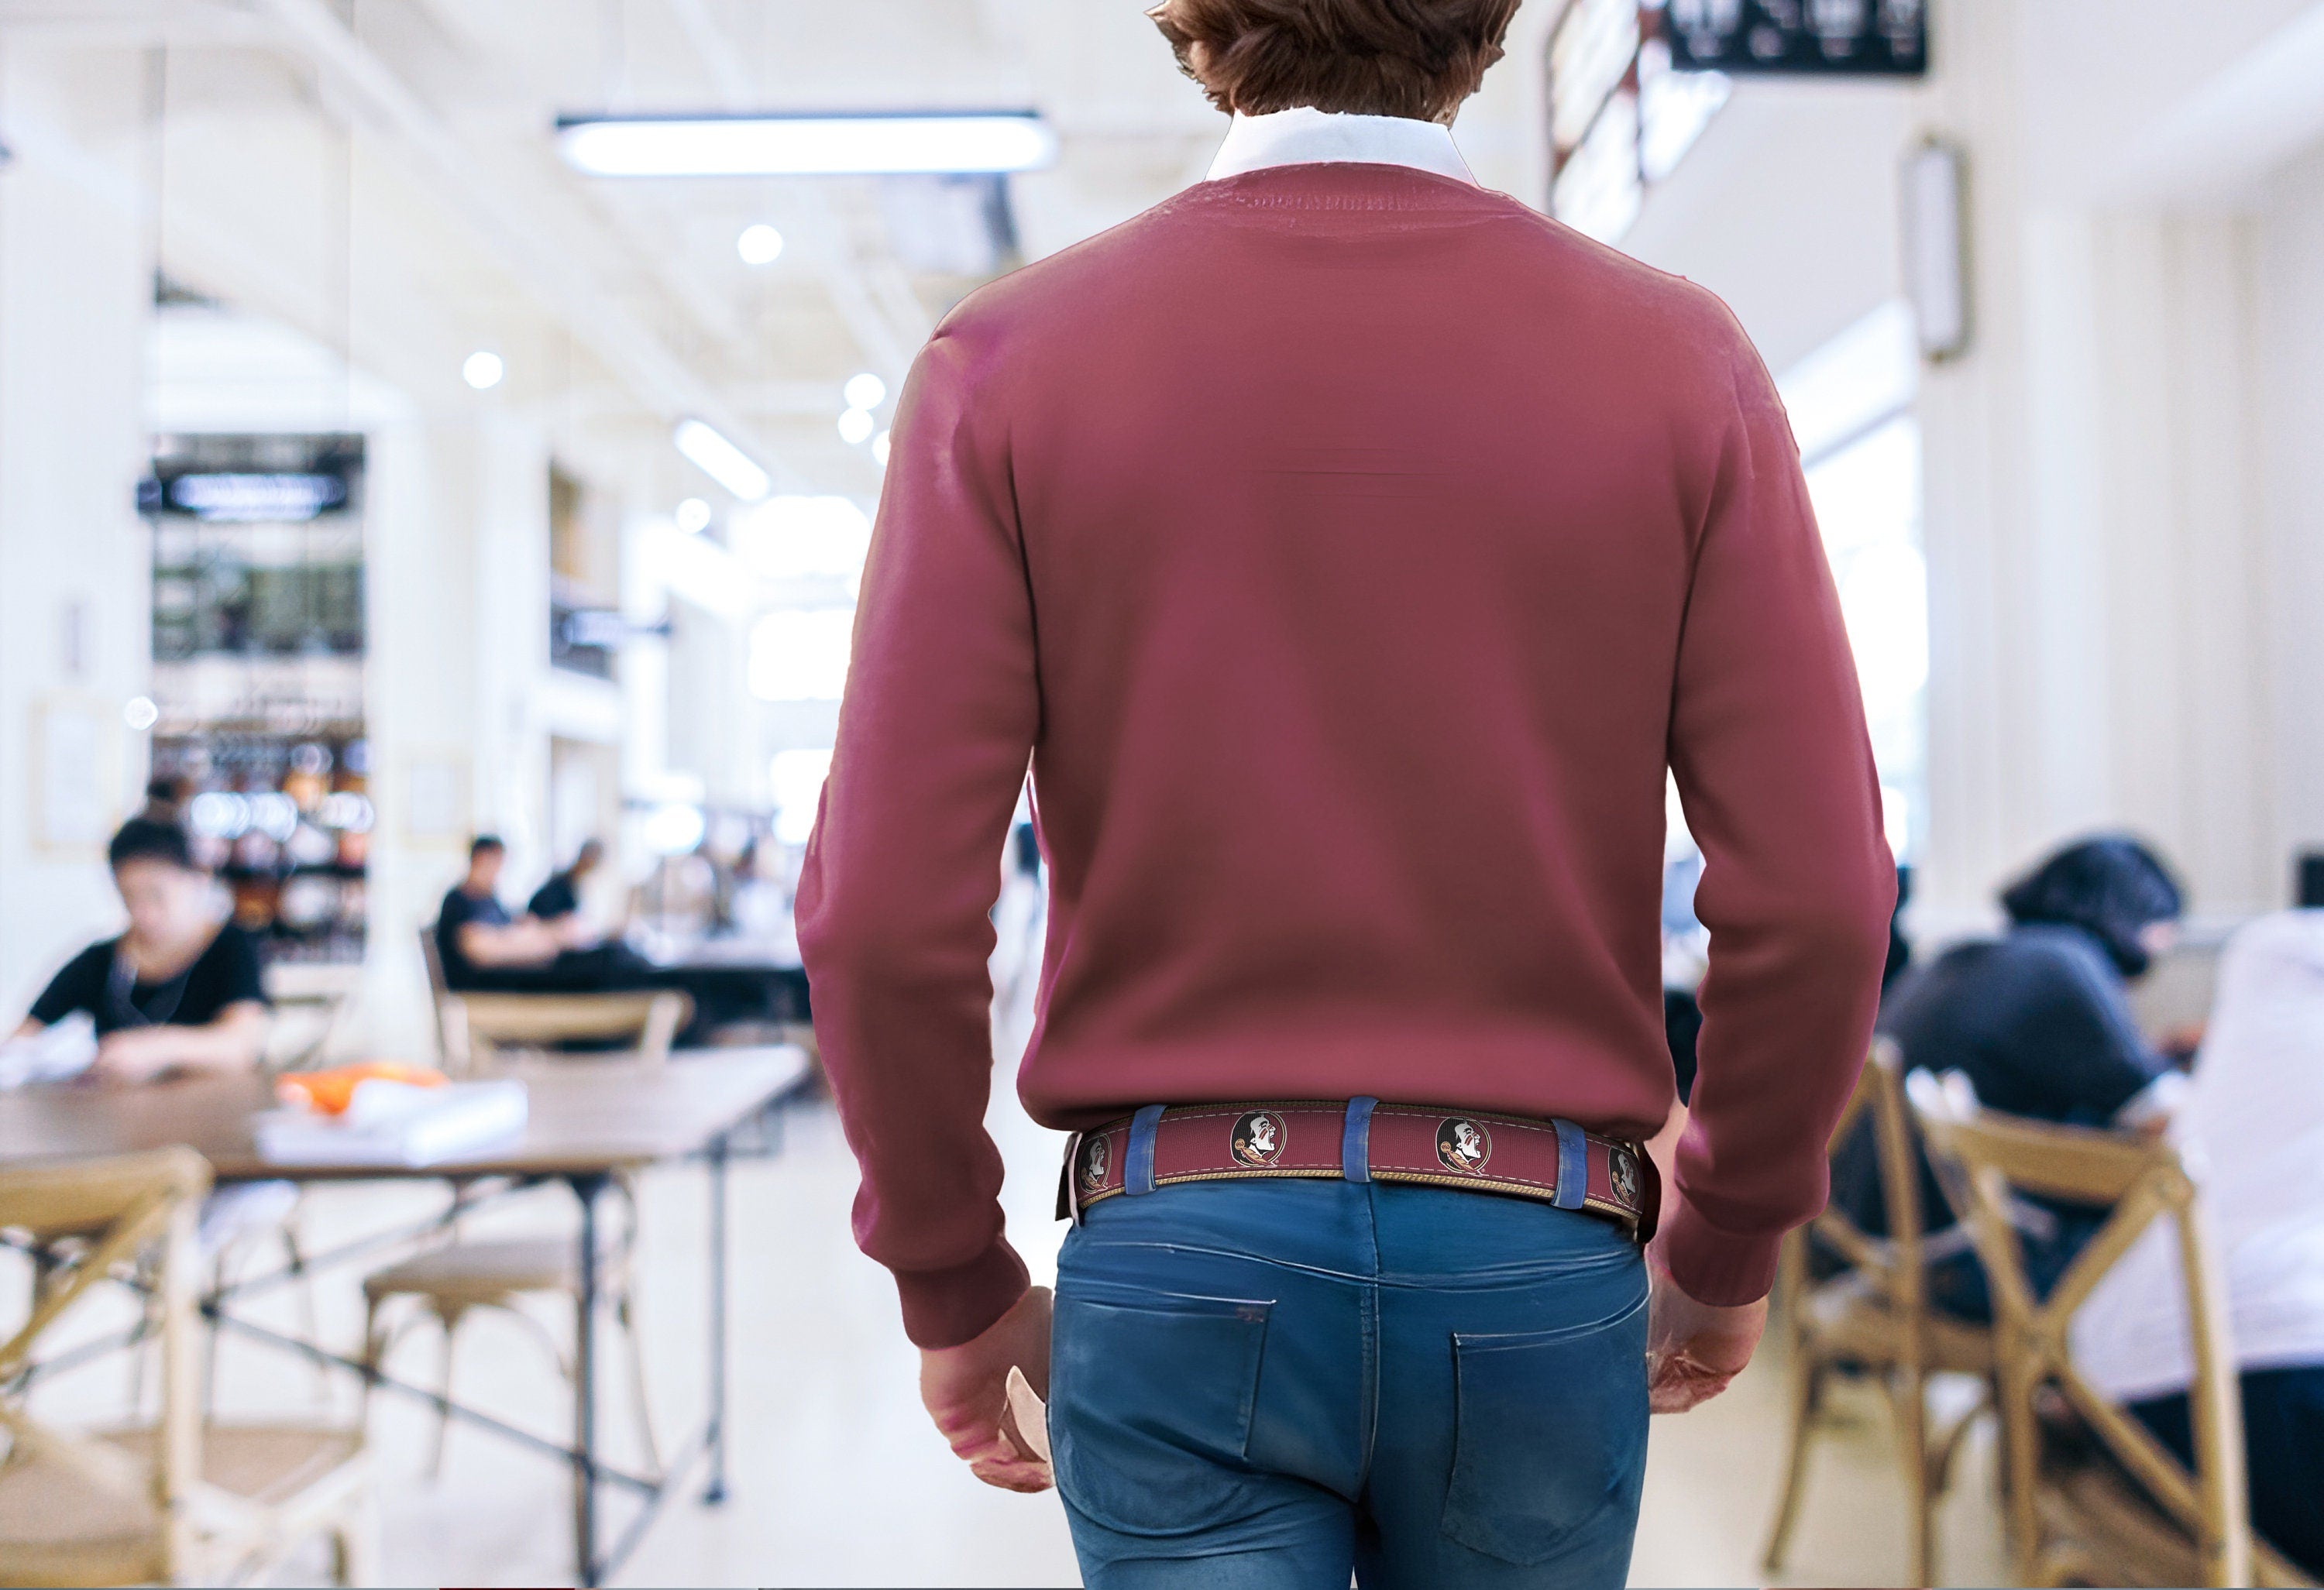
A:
{"x":1271,"y":1384}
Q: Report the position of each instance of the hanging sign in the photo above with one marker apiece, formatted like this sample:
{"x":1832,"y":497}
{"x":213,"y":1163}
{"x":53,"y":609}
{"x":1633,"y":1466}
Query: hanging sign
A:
{"x":1832,"y":38}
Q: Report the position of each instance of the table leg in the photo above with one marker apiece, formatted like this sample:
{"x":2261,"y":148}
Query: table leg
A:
{"x":716,"y":1492}
{"x":585,"y":1188}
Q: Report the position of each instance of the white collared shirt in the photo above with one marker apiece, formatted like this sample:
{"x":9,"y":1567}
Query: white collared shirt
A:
{"x":1307,"y":136}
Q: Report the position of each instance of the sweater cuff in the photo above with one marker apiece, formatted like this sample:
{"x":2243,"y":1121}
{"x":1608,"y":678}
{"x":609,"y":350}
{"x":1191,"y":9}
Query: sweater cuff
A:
{"x":945,"y":1308}
{"x":1723,"y":1269}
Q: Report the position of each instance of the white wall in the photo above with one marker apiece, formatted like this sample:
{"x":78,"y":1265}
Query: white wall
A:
{"x":2290,"y":318}
{"x":72,"y":322}
{"x":2120,"y":527}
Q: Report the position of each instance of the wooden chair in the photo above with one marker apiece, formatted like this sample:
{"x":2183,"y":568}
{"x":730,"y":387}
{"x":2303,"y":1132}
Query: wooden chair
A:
{"x":452,"y":1281}
{"x":182,"y":1500}
{"x":1873,"y":1317}
{"x":470,"y":1026}
{"x":2093,"y":1496}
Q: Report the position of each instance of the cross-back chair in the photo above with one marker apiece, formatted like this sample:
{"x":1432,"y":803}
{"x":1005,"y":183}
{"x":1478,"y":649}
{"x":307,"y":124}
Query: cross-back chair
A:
{"x":452,"y":1281}
{"x":471,"y":1026}
{"x":182,"y":1500}
{"x":1873,"y":1317}
{"x":2093,"y":1496}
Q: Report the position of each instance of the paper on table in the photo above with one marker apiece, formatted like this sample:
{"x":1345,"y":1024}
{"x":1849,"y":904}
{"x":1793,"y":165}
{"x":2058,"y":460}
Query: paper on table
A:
{"x":392,"y":1122}
{"x":61,"y":1049}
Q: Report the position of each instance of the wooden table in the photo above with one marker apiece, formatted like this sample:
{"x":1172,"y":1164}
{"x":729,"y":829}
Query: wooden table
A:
{"x":590,"y":1117}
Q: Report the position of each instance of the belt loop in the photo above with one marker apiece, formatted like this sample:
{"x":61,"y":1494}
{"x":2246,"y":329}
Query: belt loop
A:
{"x":1572,"y":1165}
{"x":1138,"y":1159}
{"x":1356,"y":1140}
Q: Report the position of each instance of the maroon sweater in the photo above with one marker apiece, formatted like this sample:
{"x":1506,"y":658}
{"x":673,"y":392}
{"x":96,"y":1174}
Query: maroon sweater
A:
{"x":1350,"y":550}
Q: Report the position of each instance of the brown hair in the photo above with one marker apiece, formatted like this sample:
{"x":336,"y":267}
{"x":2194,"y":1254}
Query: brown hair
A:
{"x":1418,"y":58}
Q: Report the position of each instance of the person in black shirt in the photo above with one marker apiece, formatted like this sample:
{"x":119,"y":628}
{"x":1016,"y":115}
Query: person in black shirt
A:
{"x":2040,"y":1023}
{"x":180,"y":989}
{"x":560,"y":896}
{"x":482,"y":947}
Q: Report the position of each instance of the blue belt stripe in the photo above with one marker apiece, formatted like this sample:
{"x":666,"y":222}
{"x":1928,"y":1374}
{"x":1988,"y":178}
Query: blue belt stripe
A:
{"x":1138,"y":1161}
{"x":1356,"y":1141}
{"x":1572,"y":1165}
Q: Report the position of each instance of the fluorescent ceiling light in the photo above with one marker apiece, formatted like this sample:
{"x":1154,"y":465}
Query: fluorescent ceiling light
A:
{"x":722,"y":460}
{"x":806,"y":145}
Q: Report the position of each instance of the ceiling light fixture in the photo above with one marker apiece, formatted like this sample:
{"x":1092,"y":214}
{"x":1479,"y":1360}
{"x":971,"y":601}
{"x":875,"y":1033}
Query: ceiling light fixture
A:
{"x":482,"y":369}
{"x":722,"y":460}
{"x":866,"y":391}
{"x":855,"y":427}
{"x":760,"y":245}
{"x":693,"y":516}
{"x":880,"y":449}
{"x":821,"y":145}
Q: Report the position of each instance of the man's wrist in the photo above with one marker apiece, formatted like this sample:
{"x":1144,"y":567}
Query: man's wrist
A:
{"x":1716,"y":1267}
{"x":946,"y":1308}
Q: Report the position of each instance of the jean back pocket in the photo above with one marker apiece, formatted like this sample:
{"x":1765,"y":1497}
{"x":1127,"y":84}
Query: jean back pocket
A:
{"x":1151,"y":1408}
{"x":1551,"y":1435}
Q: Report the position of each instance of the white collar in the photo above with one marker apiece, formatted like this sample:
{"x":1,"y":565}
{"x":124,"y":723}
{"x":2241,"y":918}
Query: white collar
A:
{"x":1305,"y":136}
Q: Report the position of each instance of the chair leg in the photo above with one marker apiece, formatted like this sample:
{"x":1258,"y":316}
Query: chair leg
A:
{"x":1807,"y":1395}
{"x":294,"y":1258}
{"x":355,"y":1542}
{"x":449,"y":1318}
{"x":2021,"y":1454}
{"x":1908,"y":1397}
{"x":625,"y":1310}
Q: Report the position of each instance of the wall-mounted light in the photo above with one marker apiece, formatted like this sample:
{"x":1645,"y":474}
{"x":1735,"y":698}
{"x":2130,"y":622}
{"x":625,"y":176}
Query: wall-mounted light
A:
{"x":821,"y":145}
{"x":721,"y":460}
{"x":1938,"y":269}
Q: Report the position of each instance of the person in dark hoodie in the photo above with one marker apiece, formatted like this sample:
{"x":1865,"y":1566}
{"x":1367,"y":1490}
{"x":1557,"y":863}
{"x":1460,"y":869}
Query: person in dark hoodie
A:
{"x":2039,"y":1021}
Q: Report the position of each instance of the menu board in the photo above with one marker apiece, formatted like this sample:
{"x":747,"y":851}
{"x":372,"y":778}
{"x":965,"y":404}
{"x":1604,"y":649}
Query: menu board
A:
{"x":1839,"y":38}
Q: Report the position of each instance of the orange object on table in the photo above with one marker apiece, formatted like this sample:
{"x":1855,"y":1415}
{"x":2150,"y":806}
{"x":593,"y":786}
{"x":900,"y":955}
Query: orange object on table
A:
{"x":328,"y":1092}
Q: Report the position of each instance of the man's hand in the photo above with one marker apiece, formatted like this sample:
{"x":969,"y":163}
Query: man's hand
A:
{"x":966,"y":1391}
{"x":1693,"y":1349}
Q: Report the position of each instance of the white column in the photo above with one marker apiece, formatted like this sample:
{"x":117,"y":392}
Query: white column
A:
{"x":76,"y":294}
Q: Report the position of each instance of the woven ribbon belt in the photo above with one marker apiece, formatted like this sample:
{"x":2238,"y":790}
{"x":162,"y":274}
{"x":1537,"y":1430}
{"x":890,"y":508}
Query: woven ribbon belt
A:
{"x":1363,"y":1140}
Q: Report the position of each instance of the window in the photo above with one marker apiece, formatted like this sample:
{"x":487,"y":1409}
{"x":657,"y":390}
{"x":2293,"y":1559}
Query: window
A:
{"x":1850,"y":408}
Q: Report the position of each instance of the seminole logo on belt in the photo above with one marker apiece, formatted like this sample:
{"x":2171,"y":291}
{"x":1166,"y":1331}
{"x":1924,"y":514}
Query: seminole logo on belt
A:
{"x":1096,"y":1160}
{"x":1258,"y":1138}
{"x":1464,"y":1145}
{"x":1622,"y":1171}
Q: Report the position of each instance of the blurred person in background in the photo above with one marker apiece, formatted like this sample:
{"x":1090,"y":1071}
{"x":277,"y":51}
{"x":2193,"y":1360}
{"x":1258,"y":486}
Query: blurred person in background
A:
{"x":166,"y":798}
{"x":1350,"y":550}
{"x":180,"y":989}
{"x":2252,"y":1134}
{"x":560,"y":896}
{"x":483,"y":947}
{"x":2039,"y":1020}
